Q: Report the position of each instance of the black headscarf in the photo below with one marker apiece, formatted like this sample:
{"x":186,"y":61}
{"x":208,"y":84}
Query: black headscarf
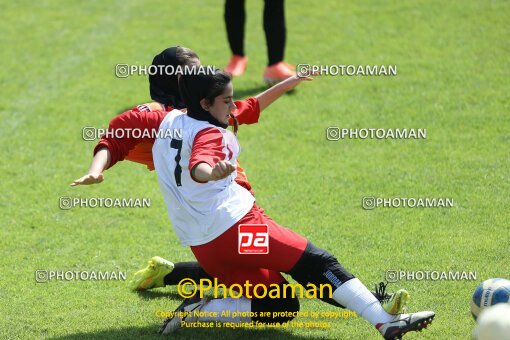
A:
{"x":164,"y":88}
{"x":194,"y":88}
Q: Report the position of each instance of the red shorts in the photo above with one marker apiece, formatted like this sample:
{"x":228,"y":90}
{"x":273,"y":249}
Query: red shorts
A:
{"x":220,"y":258}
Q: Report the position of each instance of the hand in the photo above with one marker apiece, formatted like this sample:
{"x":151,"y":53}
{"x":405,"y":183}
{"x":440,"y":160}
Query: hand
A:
{"x":270,"y":95}
{"x":291,"y":82}
{"x":89,"y":179}
{"x":222,"y":169}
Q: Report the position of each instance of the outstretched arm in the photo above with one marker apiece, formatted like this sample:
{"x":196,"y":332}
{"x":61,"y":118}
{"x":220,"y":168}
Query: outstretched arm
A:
{"x":248,"y":110}
{"x":100,"y":162}
{"x":116,"y":144}
{"x":267,"y":97}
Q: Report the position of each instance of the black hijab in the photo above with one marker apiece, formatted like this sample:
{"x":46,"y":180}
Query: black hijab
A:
{"x":194,"y":88}
{"x":164,"y":88}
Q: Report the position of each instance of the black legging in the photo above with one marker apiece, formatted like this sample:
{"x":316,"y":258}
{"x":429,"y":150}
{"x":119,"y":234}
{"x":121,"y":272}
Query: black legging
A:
{"x":274,"y":27}
{"x":186,"y":270}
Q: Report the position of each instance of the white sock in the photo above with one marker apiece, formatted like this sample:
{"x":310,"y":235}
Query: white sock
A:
{"x":226,"y":308}
{"x":355,"y":296}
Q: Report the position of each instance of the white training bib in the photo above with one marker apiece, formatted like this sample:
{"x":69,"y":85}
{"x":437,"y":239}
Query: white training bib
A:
{"x":199,"y":212}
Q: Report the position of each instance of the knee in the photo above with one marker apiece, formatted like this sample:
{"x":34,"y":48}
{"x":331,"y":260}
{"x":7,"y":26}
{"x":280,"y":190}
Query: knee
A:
{"x":316,"y":265}
{"x":314,"y":260}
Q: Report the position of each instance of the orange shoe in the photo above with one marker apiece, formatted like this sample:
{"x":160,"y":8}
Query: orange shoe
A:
{"x":292,"y":67}
{"x":278,"y":72}
{"x":237,"y":65}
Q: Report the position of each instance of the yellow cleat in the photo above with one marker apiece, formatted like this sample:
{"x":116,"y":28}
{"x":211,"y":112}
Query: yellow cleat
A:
{"x":152,"y":276}
{"x":395,"y":303}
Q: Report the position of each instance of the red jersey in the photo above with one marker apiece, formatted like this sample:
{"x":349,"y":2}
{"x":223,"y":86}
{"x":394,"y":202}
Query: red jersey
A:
{"x":148,"y":117}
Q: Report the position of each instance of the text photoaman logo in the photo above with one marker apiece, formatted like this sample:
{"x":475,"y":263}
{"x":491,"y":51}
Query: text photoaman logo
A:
{"x":371,"y":202}
{"x":67,"y":202}
{"x":44,"y":275}
{"x":90,"y":133}
{"x":392,"y":275}
{"x":188,"y":287}
{"x":334,"y":133}
{"x":305,"y":70}
{"x":126,"y":70}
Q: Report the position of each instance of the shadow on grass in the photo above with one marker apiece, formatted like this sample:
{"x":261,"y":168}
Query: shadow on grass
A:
{"x":151,"y":294}
{"x":151,"y":332}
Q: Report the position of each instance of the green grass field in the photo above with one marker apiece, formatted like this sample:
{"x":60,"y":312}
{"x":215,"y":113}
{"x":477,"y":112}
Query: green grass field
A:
{"x":57,"y":76}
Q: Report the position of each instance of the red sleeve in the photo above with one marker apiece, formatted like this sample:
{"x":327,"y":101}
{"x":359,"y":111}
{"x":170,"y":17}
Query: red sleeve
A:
{"x":207,"y":148}
{"x":120,"y":143}
{"x":248,"y":111}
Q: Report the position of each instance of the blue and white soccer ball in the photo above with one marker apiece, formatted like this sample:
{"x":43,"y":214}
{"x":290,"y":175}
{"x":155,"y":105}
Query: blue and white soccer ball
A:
{"x":488,"y":293}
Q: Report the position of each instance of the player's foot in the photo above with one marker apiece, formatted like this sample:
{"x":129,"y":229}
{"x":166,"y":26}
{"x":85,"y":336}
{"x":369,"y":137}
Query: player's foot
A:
{"x":152,"y":276}
{"x":292,"y":67}
{"x":405,"y":323}
{"x":185,"y":312}
{"x":395,"y":303}
{"x":278,"y":72}
{"x":237,"y":65}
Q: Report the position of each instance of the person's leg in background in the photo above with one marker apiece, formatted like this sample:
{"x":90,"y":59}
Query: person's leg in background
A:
{"x":276,"y":34}
{"x":235,"y":18}
{"x":275,"y":30}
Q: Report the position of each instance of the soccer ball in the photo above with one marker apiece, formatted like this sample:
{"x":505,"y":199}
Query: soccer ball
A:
{"x":494,"y":323}
{"x":489,"y":293}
